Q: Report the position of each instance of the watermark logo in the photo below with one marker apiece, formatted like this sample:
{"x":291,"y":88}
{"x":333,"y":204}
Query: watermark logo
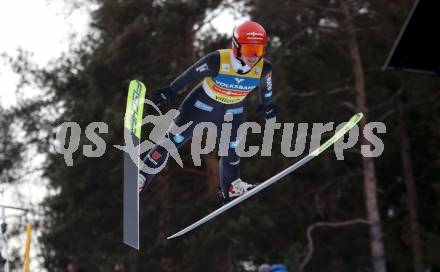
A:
{"x":166,"y":134}
{"x":163,"y":127}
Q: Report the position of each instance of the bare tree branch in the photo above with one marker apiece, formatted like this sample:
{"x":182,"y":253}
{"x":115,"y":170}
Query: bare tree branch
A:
{"x":302,"y":94}
{"x":310,"y":247}
{"x":285,"y":46}
{"x":408,"y":106}
{"x":386,"y":102}
{"x":307,"y":4}
{"x":340,"y":89}
{"x":349,"y":105}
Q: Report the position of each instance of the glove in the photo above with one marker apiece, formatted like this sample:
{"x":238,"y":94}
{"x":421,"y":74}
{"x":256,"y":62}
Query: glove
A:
{"x":163,"y":96}
{"x":267,"y":111}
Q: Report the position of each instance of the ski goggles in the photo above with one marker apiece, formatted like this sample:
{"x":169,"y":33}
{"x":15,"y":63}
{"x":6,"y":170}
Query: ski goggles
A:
{"x":249,"y":50}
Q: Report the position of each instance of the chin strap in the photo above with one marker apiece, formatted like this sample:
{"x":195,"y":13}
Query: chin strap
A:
{"x":241,"y":62}
{"x":239,"y":71}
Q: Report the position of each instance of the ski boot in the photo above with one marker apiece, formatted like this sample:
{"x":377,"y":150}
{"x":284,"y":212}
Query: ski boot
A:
{"x":236,"y":188}
{"x":142,"y":183}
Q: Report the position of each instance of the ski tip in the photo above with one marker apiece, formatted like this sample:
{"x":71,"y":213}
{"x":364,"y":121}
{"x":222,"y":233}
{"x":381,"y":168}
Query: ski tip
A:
{"x":172,"y":236}
{"x":357,"y":117}
{"x":177,"y":234}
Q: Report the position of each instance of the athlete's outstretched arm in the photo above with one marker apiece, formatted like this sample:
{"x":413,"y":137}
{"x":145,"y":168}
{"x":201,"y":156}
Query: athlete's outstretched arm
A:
{"x":206,"y":66}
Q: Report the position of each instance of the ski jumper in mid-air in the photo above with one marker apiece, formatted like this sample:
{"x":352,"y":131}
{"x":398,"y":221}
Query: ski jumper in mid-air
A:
{"x":227,"y":77}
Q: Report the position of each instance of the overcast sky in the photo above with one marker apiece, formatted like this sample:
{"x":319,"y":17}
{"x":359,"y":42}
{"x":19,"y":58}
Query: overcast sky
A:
{"x":43,"y":27}
{"x":40,"y":27}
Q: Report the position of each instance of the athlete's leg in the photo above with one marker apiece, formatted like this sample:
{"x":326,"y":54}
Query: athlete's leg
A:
{"x":159,"y":155}
{"x":193,"y":109}
{"x":230,"y":164}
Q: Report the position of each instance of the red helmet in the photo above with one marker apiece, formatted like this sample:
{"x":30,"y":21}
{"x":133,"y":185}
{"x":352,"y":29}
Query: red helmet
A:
{"x":249,"y":39}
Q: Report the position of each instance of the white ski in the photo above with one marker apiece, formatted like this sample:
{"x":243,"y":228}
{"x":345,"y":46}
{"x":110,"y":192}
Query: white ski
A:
{"x":349,"y":125}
